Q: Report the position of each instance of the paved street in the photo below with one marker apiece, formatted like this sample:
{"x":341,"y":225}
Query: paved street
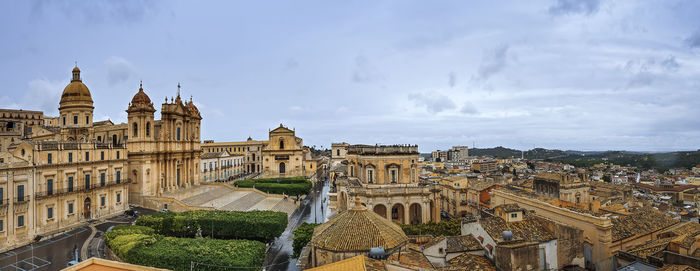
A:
{"x":277,"y":258}
{"x":52,"y":254}
{"x":55,"y":253}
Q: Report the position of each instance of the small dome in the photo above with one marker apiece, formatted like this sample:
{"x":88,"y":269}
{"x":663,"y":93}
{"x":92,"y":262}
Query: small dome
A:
{"x":141,"y":101}
{"x":358,"y":229}
{"x":76,"y":69}
{"x":141,"y":97}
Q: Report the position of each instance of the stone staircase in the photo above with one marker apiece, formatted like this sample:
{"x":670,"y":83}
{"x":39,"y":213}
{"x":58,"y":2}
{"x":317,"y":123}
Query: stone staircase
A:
{"x":228,"y":198}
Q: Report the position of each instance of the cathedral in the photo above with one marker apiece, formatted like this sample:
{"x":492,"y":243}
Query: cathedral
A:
{"x":59,"y":172}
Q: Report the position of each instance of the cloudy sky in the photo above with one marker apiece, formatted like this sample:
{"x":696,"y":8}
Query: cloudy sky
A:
{"x":567,"y":74}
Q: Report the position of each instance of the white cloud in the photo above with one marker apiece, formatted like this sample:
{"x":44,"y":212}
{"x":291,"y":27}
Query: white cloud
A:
{"x":119,"y":70}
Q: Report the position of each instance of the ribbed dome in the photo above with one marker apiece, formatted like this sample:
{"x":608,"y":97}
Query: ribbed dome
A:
{"x":358,"y":229}
{"x":141,"y":101}
{"x":76,"y":91}
{"x":141,"y":97}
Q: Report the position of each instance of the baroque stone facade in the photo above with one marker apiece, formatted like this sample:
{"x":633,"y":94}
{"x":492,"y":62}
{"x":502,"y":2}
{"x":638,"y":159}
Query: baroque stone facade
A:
{"x":164,"y":155}
{"x":385,"y":178}
{"x":284,"y":154}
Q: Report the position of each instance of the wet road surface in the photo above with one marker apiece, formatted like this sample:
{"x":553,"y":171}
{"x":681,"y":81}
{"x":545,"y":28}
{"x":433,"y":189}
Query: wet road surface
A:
{"x":310,"y":211}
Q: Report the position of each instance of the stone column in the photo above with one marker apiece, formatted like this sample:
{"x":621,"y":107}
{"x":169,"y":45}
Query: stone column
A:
{"x":407,"y":213}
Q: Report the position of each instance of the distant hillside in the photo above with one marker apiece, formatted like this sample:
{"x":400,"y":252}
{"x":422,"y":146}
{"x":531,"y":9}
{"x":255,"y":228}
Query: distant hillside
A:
{"x":659,"y":161}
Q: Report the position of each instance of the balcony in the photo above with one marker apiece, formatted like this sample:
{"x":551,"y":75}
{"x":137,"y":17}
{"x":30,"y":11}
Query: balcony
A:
{"x":78,"y":188}
{"x":21,"y":200}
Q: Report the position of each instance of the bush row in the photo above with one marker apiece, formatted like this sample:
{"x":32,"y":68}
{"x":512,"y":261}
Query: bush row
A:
{"x":302,"y":236}
{"x":295,"y":186}
{"x":255,"y":225}
{"x":134,"y":246}
{"x":450,"y":227}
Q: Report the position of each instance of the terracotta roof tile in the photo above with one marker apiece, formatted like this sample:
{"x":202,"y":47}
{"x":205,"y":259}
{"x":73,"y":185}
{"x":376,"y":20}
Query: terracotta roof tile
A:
{"x":528,"y":229}
{"x":357,"y":263}
{"x":462,"y":243}
{"x":643,"y":221}
{"x":358,"y":230}
{"x":467,"y":261}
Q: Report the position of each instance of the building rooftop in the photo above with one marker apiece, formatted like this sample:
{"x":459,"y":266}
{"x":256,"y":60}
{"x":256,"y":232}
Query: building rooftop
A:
{"x":462,"y":243}
{"x":467,"y":261}
{"x":357,"y":263}
{"x":358,"y":229}
{"x":651,"y":247}
{"x":528,"y":229}
{"x":643,"y":221}
{"x":382,"y":149}
{"x":673,"y":267}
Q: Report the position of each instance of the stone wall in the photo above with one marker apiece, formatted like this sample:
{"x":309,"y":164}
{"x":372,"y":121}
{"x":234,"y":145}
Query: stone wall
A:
{"x":569,"y":242}
{"x":520,"y":257}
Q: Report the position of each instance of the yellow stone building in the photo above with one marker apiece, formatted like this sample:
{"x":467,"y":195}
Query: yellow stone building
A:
{"x":385,"y":178}
{"x":55,"y":178}
{"x":284,"y":155}
{"x":164,"y":155}
{"x":64,"y":179}
{"x":250,"y":149}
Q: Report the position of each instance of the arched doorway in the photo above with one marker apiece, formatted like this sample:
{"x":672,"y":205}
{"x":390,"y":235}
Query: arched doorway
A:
{"x":415,"y":214}
{"x":397,"y":213}
{"x":380,"y":210}
{"x":86,"y":208}
{"x":282,"y":169}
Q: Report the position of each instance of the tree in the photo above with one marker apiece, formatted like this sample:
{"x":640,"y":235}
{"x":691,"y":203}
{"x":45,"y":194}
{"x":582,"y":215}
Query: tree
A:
{"x":606,"y":178}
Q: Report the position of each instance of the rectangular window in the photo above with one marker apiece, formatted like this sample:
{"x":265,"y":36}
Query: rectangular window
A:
{"x":20,"y":193}
{"x":102,"y":179}
{"x":2,"y":225}
{"x":87,"y":119}
{"x":514,"y":215}
{"x":70,"y":157}
{"x":87,"y":181}
{"x":64,"y":121}
{"x":178,"y":133}
{"x":49,"y":158}
{"x":49,"y":187}
{"x":20,"y":221}
{"x":87,"y":156}
{"x":49,"y":212}
{"x":117,"y":154}
{"x":75,"y":119}
{"x":1,"y":196}
{"x":70,"y":208}
{"x":102,"y":201}
{"x":70,"y":184}
{"x":119,"y":176}
{"x":119,"y":197}
{"x":102,"y":155}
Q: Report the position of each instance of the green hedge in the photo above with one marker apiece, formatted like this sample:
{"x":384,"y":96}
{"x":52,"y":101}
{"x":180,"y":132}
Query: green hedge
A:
{"x":452,"y":227}
{"x":127,"y":229}
{"x":302,"y":236}
{"x":254,"y":225}
{"x":294,"y":186}
{"x":178,"y":253}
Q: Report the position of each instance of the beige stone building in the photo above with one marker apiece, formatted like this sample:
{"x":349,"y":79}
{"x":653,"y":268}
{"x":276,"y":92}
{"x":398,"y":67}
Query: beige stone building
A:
{"x":250,"y":149}
{"x":221,"y":166}
{"x":284,"y":154}
{"x":338,"y":152}
{"x":64,"y":173}
{"x":164,"y":155}
{"x":385,"y":178}
{"x":64,"y":179}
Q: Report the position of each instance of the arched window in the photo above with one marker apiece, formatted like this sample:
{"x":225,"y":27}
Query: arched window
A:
{"x":148,"y":129}
{"x":281,"y":144}
{"x":136,"y":129}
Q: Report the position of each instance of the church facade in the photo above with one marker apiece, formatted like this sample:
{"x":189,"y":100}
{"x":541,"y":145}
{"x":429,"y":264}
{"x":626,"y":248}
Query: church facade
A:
{"x":283,"y":156}
{"x":63,"y":173}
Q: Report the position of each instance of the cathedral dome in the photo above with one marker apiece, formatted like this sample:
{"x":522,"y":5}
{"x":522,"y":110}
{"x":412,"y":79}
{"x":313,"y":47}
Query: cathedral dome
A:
{"x":76,"y":91}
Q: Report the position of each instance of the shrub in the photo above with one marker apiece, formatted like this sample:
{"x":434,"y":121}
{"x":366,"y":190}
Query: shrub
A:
{"x":127,"y":229}
{"x":293,"y":186}
{"x":254,"y":225}
{"x":302,"y":236}
{"x":133,"y":246}
{"x":452,"y":227}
